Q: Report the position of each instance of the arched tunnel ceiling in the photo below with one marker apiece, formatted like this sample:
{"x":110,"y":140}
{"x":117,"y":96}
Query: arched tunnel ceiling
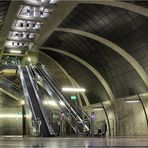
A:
{"x":112,"y":67}
{"x":139,"y":3}
{"x":4,"y":5}
{"x":94,"y":90}
{"x":124,"y":28}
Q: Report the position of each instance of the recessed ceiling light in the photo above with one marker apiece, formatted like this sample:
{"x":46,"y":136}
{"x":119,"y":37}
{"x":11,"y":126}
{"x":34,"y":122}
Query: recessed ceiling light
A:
{"x":132,"y":101}
{"x":15,"y":51}
{"x":73,"y":89}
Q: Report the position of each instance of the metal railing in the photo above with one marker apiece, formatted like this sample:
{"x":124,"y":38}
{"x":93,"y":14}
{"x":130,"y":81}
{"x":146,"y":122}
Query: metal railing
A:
{"x":11,"y":87}
{"x":57,"y":88}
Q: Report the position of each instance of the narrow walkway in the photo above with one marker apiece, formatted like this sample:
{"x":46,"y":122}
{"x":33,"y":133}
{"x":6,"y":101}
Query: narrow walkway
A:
{"x":72,"y":142}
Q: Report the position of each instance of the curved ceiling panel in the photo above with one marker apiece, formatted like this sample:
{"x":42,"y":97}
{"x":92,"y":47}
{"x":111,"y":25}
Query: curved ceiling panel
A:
{"x":95,"y":91}
{"x":112,"y":66}
{"x":52,"y":67}
{"x":4,"y":5}
{"x":139,"y":3}
{"x":125,"y":28}
{"x":60,"y":74}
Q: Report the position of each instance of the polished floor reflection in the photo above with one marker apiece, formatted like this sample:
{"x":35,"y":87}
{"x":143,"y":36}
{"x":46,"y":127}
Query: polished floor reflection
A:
{"x":18,"y":142}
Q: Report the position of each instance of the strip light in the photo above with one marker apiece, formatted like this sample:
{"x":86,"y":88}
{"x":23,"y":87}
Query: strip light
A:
{"x":99,"y":108}
{"x":15,"y":51}
{"x":66,"y":89}
{"x":10,"y":116}
{"x":132,"y":101}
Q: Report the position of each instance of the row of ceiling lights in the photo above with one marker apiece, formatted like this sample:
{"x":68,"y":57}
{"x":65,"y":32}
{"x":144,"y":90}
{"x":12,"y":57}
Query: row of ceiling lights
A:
{"x":29,"y":20}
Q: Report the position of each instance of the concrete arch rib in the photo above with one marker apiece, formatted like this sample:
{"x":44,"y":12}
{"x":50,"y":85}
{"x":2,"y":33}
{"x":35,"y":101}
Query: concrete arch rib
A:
{"x":88,"y":66}
{"x":72,"y":4}
{"x":73,"y":82}
{"x":114,"y":47}
{"x":124,"y":5}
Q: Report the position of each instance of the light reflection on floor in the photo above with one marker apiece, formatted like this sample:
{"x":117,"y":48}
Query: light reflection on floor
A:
{"x":17,"y":142}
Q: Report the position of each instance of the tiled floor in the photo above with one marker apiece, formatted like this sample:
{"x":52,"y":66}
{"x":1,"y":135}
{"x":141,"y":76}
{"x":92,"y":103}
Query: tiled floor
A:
{"x":72,"y":142}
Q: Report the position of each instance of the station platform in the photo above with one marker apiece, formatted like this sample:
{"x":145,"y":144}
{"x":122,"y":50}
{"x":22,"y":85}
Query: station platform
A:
{"x":17,"y":142}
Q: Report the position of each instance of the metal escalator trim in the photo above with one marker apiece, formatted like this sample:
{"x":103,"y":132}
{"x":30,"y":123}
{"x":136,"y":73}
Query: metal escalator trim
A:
{"x":9,"y":94}
{"x":26,"y":93}
{"x":45,"y":130}
{"x":58,"y":94}
{"x":69,"y":106}
{"x":10,"y":82}
{"x":39,"y":103}
{"x":44,"y":85}
{"x":50,"y":75}
{"x":80,"y":119}
{"x":11,"y":88}
{"x":62,"y":96}
{"x":39,"y":100}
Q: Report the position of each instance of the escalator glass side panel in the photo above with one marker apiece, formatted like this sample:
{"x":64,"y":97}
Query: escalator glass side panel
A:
{"x":75,"y":109}
{"x":35,"y":105}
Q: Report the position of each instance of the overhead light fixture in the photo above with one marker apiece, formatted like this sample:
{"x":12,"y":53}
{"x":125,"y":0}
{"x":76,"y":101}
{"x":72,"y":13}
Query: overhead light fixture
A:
{"x":15,"y":51}
{"x":29,"y":59}
{"x":10,"y":115}
{"x":22,"y":102}
{"x":132,"y":101}
{"x":98,"y":108}
{"x":68,"y":89}
{"x":53,"y":1}
{"x":34,"y":11}
{"x":42,"y":8}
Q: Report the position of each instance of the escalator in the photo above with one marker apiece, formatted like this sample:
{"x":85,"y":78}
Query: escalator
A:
{"x":33,"y":99}
{"x":11,"y":89}
{"x":77,"y":113}
{"x":61,"y":108}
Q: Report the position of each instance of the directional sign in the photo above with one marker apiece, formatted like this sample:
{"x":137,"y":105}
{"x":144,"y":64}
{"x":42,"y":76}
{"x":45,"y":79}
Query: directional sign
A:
{"x":73,"y":97}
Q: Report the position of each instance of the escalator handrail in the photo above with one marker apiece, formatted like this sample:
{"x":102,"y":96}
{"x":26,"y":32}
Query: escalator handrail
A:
{"x":13,"y":85}
{"x":60,"y":86}
{"x":61,"y":95}
{"x":45,"y":87}
{"x":26,"y":93}
{"x":38,"y":99}
{"x":47,"y":73}
{"x":45,"y":83}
